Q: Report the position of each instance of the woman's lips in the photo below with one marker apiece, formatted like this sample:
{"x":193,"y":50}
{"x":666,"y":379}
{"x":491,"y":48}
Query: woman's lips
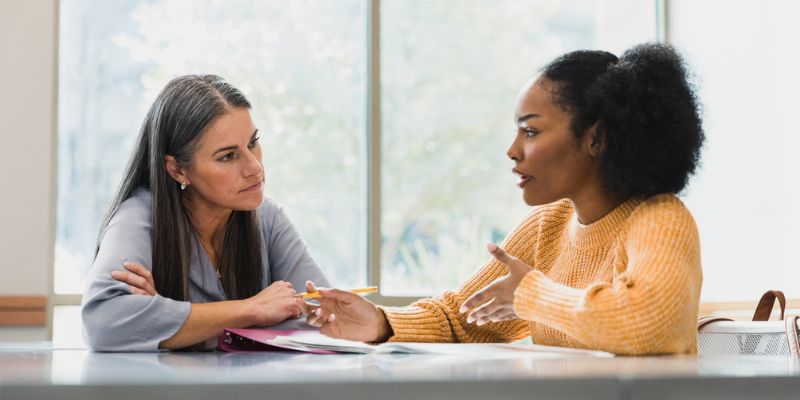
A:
{"x":523,"y":179}
{"x":255,"y":187}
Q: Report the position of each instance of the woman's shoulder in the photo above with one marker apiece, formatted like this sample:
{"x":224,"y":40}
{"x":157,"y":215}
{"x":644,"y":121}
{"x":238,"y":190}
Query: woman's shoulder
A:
{"x":131,"y":218}
{"x":665,"y":213}
{"x":137,"y":206}
{"x":269,"y":210}
{"x":273,"y":217}
{"x":662,"y":206}
{"x":269,"y":204}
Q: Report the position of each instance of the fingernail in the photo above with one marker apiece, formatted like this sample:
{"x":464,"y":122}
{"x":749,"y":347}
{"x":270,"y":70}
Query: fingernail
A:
{"x":470,"y":319}
{"x":317,"y":312}
{"x":481,"y":321}
{"x":115,"y":274}
{"x":332,"y":318}
{"x":491,"y":247}
{"x":463,"y":309}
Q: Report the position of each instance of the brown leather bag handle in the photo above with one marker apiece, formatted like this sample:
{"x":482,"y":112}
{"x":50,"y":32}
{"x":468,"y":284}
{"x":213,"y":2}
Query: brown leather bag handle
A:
{"x":767,"y":302}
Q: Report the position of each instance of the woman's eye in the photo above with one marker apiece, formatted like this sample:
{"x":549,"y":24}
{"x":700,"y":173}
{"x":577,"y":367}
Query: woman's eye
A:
{"x":530,"y":132}
{"x":226,"y":157}
{"x":253,"y":143}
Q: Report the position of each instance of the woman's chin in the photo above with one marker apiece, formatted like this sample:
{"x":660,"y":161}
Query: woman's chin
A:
{"x":532,"y":199}
{"x":253,"y":202}
{"x":531,"y":203}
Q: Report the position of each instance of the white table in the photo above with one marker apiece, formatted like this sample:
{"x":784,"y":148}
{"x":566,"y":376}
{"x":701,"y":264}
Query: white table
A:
{"x":34,"y":371}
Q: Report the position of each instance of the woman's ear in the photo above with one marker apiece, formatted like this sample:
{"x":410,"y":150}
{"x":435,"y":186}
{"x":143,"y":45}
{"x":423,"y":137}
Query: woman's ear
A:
{"x":175,"y":170}
{"x":595,"y":140}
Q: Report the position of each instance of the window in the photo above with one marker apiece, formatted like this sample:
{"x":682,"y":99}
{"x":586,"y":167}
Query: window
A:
{"x":301,"y":64}
{"x":449,"y":75}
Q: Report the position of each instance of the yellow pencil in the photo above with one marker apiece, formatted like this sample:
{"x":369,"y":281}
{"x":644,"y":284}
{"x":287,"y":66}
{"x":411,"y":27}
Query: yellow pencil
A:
{"x":314,"y":295}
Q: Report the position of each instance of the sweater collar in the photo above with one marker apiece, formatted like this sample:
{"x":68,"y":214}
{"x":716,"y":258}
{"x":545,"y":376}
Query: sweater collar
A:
{"x":603,"y":231}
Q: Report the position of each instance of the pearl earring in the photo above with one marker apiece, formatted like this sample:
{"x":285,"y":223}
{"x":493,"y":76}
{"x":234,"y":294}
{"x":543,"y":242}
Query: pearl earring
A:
{"x":183,"y":185}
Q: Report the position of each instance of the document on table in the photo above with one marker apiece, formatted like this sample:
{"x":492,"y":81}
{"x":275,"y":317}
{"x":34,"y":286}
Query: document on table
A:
{"x":316,"y":341}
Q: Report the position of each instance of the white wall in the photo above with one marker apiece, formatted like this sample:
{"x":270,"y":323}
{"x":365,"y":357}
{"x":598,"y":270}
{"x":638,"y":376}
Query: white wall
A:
{"x":27,"y":120}
{"x":745,"y":197}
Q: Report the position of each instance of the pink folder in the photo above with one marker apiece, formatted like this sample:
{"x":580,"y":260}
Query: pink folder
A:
{"x":258,"y":340}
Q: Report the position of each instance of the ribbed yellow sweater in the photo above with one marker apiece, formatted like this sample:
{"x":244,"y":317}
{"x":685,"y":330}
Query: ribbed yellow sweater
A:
{"x":628,"y":283}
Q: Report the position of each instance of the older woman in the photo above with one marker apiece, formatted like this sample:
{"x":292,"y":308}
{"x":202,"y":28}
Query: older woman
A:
{"x":189,"y":245}
{"x":610,"y":258}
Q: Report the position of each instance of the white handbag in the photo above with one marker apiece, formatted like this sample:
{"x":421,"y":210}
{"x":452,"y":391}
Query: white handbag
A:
{"x":724,"y":336}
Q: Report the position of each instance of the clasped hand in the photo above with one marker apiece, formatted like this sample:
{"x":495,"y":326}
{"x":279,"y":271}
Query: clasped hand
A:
{"x":138,"y":278}
{"x":270,"y":306}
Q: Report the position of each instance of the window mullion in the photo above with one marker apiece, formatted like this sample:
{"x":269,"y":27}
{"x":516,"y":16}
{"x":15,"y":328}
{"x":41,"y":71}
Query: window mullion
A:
{"x":373,"y":133}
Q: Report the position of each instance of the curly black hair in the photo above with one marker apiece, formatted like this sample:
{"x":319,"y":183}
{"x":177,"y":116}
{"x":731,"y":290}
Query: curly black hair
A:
{"x":646,"y":113}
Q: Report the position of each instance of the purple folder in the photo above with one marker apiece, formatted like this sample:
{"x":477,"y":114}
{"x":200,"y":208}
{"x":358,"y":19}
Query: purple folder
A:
{"x":258,"y":340}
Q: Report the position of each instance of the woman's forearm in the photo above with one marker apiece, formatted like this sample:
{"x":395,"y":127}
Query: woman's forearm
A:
{"x":208,"y":320}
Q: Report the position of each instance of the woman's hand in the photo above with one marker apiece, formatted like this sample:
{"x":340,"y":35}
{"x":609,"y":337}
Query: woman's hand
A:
{"x":497,"y":300}
{"x":138,"y":278}
{"x":274,"y":304}
{"x":307,"y":308}
{"x":346,"y":315}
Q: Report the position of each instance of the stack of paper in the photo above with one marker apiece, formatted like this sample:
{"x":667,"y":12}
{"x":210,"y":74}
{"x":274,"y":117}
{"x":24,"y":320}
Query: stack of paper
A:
{"x":316,"y":341}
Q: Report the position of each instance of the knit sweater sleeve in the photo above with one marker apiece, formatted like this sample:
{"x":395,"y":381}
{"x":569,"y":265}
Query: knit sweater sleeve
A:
{"x":649,"y":307}
{"x":439,"y":320}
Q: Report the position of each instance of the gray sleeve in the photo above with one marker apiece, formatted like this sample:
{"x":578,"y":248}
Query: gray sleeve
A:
{"x":288,"y":254}
{"x":113,"y":318}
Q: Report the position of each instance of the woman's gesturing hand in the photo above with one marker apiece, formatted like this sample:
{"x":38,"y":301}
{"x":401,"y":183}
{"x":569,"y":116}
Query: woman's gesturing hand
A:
{"x":274,"y":304}
{"x":346,"y":315}
{"x":138,"y":278}
{"x":495,"y":302}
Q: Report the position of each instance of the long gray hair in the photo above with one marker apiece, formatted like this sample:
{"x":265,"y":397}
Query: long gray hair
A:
{"x":174,"y":125}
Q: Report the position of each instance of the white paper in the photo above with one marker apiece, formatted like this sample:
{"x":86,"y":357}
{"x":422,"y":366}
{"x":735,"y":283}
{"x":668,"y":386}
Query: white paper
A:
{"x":314,"y":340}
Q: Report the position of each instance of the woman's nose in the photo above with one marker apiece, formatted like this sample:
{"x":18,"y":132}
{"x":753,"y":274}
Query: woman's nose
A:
{"x":252,"y":165}
{"x":513,"y":151}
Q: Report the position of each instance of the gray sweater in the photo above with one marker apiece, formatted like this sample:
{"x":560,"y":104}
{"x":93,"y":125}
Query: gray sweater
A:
{"x":116,"y":320}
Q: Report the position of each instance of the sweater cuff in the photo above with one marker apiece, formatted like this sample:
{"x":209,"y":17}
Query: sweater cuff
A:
{"x":540,"y":299}
{"x":414,"y":324}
